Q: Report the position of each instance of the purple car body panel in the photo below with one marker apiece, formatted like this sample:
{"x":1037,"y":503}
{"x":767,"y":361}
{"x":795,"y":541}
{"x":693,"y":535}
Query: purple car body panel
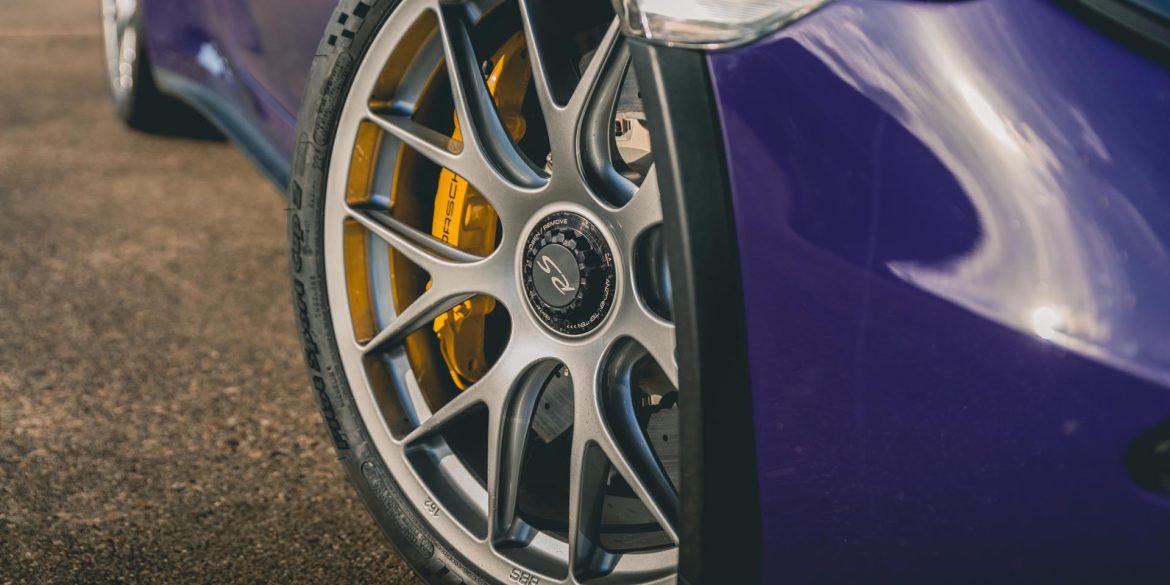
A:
{"x":253,"y":55}
{"x":955,"y":247}
{"x":274,"y":41}
{"x":954,"y":224}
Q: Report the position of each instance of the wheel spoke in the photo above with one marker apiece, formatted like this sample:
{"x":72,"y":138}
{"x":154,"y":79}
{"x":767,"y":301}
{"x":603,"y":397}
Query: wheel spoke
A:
{"x":426,"y":251}
{"x":426,"y":308}
{"x":643,"y":211}
{"x":530,"y":11}
{"x":553,"y":85}
{"x":588,"y":472}
{"x":656,"y":494}
{"x":596,"y":102}
{"x":612,"y":52}
{"x":622,"y":440}
{"x":658,"y":338}
{"x":618,"y":440}
{"x":479,"y":122}
{"x":588,"y":468}
{"x":486,"y":391}
{"x":507,"y":435}
{"x":457,"y":407}
{"x":438,"y":148}
{"x":124,"y":11}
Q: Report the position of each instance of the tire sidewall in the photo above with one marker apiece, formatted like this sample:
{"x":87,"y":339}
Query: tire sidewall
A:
{"x":351,"y":30}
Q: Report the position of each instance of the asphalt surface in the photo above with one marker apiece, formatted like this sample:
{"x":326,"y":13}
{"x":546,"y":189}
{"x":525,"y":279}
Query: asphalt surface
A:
{"x":155,"y":420}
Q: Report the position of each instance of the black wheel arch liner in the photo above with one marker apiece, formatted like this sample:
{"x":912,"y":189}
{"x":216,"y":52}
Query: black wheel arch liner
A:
{"x":720,"y":524}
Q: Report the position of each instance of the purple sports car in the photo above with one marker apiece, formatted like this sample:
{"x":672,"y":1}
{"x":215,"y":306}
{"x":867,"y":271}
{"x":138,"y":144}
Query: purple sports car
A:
{"x":716,"y":291}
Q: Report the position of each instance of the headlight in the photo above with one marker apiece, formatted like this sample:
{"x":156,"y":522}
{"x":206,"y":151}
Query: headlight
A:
{"x":709,"y":23}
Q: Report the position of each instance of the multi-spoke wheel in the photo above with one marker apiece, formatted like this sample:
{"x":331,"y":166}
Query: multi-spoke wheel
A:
{"x":481,"y":289}
{"x":127,"y":71}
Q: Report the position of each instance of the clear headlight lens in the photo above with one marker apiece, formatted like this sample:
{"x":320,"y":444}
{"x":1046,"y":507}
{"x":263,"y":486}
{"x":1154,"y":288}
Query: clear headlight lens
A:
{"x":709,"y":23}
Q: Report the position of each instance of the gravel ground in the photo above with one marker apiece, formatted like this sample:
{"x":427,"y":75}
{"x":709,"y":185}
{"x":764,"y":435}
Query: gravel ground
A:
{"x":155,"y":420}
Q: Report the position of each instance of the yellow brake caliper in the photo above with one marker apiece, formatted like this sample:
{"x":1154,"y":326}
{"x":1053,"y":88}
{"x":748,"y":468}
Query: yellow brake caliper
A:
{"x":465,"y":220}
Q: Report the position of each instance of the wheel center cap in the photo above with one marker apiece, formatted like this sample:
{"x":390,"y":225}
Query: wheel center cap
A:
{"x":569,"y":274}
{"x":557,"y":275}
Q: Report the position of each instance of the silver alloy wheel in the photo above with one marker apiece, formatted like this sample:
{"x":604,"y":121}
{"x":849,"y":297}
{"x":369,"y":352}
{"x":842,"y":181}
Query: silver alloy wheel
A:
{"x":488,"y":529}
{"x":119,"y":18}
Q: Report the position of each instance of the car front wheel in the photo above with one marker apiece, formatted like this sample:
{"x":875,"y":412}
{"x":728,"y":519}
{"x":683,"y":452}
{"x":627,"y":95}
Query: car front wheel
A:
{"x":481,"y":289}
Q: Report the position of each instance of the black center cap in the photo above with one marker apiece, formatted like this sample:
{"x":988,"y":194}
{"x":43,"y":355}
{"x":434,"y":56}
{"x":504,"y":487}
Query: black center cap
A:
{"x":569,"y":274}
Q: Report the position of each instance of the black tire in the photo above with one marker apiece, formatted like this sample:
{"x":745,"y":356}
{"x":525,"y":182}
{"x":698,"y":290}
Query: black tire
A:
{"x":329,"y":80}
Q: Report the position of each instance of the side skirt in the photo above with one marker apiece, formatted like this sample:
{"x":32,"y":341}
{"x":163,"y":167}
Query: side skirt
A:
{"x":233,"y":124}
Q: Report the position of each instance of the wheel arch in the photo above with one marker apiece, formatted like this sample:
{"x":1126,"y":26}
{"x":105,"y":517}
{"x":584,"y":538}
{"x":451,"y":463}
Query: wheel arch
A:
{"x":719,"y":491}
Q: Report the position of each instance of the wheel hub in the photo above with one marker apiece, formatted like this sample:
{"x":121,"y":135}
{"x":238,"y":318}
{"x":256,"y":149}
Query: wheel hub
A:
{"x":568,"y":273}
